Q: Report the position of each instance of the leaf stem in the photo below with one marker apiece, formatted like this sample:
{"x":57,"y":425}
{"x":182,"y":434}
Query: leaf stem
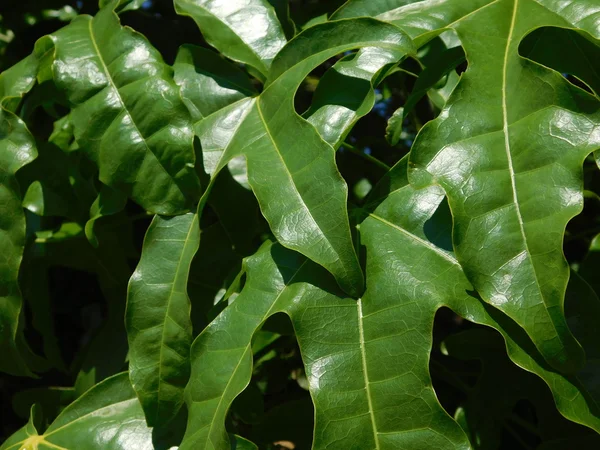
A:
{"x":363,"y":155}
{"x":524,"y":424}
{"x":518,"y":438}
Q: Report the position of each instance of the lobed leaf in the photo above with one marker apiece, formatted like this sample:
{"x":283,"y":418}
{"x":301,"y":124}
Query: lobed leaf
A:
{"x":291,"y":169}
{"x":515,"y":148}
{"x":107,"y":417}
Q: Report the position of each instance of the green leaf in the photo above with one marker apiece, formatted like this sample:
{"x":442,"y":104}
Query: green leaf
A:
{"x":158,"y":322}
{"x":21,"y":436}
{"x":17,"y":148}
{"x":349,"y":362}
{"x":35,"y":291}
{"x":109,"y":202}
{"x":291,"y":169}
{"x":122,"y":5}
{"x":567,"y":51}
{"x":357,"y":353}
{"x":393,"y":132}
{"x":244,"y":30}
{"x":489,"y":406}
{"x":515,"y":147}
{"x":121,"y":92}
{"x":446,"y":62}
{"x":409,"y":214}
{"x":107,"y":417}
{"x":421,"y":20}
{"x":209,"y":82}
{"x":51,"y":401}
{"x":345,"y":93}
{"x":50,"y":184}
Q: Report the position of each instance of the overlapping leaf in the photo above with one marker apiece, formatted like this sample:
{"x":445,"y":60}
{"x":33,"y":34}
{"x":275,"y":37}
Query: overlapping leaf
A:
{"x":518,"y":148}
{"x":367,"y":361}
{"x":492,"y":169}
{"x":127,"y":113}
{"x":108,"y":417}
{"x":17,"y":148}
{"x":244,"y":30}
{"x":159,"y":327}
{"x":290,"y":168}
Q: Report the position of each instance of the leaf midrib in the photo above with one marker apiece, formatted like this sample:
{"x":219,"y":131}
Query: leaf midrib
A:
{"x":162,"y":338}
{"x":363,"y":355}
{"x":265,"y":316}
{"x":293,"y":183}
{"x":118,"y":94}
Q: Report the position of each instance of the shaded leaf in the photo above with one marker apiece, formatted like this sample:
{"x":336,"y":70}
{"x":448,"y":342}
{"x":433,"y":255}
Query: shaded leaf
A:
{"x":159,"y":329}
{"x":108,"y":417}
{"x":121,"y":92}
{"x":208,"y":81}
{"x":17,"y":148}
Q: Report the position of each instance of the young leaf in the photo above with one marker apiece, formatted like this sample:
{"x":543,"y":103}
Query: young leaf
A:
{"x":244,"y":30}
{"x":17,"y":148}
{"x":121,"y":92}
{"x":158,"y":322}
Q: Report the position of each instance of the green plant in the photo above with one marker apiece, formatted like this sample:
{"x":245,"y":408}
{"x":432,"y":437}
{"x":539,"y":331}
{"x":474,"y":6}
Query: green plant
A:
{"x":432,"y":307}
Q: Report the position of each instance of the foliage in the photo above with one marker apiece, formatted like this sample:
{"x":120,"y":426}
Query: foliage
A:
{"x":271,"y":224}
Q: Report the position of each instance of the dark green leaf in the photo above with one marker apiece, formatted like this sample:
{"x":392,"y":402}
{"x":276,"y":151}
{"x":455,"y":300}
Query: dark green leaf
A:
{"x":121,"y":92}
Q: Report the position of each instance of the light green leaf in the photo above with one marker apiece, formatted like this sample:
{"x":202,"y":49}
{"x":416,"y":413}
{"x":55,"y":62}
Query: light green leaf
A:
{"x":121,"y":92}
{"x":107,"y":417}
{"x":122,"y":5}
{"x":291,"y":169}
{"x":158,"y":322}
{"x":244,"y":30}
{"x":17,"y":148}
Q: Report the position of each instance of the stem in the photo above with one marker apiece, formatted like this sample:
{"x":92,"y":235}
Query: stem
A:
{"x":524,"y":424}
{"x":518,"y":438}
{"x":366,"y":157}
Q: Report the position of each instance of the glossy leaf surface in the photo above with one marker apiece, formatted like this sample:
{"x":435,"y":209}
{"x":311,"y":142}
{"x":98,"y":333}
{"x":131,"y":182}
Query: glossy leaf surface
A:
{"x":108,"y":417}
{"x":158,"y":322}
{"x":515,"y":150}
{"x":244,"y":30}
{"x":127,"y":113}
{"x":17,"y":148}
{"x":307,"y":210}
